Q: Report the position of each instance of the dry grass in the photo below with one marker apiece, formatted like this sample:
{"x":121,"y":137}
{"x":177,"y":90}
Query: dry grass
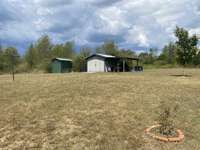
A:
{"x":96,"y":111}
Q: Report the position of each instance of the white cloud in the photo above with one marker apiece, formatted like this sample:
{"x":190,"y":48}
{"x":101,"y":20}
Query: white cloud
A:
{"x":138,"y":36}
{"x":141,"y":23}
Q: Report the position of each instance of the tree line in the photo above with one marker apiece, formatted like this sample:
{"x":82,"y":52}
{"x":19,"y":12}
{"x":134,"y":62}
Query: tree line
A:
{"x":38,"y":55}
{"x":183,"y":52}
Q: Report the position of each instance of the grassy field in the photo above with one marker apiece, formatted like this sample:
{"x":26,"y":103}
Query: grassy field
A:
{"x":81,"y":111}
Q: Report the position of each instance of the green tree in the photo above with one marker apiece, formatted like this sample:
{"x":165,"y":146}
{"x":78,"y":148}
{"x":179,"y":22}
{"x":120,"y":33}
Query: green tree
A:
{"x":11,"y":58}
{"x":168,"y":54}
{"x":196,"y":60}
{"x":66,"y":50}
{"x":148,"y":57}
{"x":79,"y":60}
{"x":30,"y":57}
{"x":1,"y":58}
{"x":144,"y":56}
{"x":1,"y":49}
{"x":44,"y":53}
{"x":126,"y":53}
{"x":43,"y":48}
{"x":58,"y":50}
{"x":69,"y":50}
{"x":108,"y":47}
{"x":186,"y":46}
{"x":152,"y":55}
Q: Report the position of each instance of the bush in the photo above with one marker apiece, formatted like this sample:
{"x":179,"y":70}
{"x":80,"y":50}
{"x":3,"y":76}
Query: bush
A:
{"x":44,"y":66}
{"x":48,"y":68}
{"x":166,"y":118}
{"x":22,"y":68}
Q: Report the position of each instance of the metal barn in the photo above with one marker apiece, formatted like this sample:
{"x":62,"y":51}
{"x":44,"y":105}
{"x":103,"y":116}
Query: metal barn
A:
{"x":108,"y":63}
{"x":61,"y":65}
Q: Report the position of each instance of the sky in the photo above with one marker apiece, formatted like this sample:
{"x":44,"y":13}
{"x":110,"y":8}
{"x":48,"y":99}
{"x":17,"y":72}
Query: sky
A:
{"x":132,"y":24}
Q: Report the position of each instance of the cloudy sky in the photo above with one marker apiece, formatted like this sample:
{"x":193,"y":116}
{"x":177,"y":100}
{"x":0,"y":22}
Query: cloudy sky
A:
{"x":135,"y":24}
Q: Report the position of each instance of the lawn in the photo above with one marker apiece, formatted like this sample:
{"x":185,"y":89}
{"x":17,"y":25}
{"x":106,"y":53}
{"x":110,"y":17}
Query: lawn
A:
{"x":104,"y":111}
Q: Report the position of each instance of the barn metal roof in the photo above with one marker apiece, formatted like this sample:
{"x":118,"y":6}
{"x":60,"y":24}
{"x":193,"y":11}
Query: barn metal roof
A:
{"x":110,"y":56}
{"x":105,"y":55}
{"x":62,"y":59}
{"x":101,"y":55}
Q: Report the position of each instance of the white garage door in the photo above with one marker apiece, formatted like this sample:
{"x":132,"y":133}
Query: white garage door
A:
{"x":95,"y":65}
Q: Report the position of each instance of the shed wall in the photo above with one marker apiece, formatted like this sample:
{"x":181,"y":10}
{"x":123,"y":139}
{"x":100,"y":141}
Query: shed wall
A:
{"x":61,"y":66}
{"x":96,"y":64}
{"x":56,"y":67}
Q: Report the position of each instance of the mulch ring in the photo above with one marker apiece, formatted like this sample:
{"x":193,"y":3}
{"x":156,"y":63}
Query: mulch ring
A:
{"x":179,"y":138}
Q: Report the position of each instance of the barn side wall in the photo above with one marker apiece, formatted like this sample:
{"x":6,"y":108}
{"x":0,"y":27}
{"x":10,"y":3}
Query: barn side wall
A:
{"x":56,"y":67}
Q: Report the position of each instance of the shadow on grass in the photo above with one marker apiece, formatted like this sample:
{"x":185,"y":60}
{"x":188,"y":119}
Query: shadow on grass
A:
{"x":180,"y":75}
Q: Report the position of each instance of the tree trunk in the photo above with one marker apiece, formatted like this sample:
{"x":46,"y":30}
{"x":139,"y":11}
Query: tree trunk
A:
{"x":184,"y":66}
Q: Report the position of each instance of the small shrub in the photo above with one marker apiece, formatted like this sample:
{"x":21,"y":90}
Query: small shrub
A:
{"x":166,"y":118}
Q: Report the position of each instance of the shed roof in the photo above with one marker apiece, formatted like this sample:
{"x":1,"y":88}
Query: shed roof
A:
{"x":61,"y":59}
{"x":105,"y":55}
{"x":110,"y":56}
{"x":101,"y":55}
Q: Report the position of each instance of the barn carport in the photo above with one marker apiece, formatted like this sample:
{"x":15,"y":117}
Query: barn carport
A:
{"x":126,"y":64}
{"x":108,"y":63}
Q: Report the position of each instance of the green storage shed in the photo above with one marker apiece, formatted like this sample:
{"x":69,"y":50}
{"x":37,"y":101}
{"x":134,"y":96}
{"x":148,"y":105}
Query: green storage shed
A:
{"x":61,"y":65}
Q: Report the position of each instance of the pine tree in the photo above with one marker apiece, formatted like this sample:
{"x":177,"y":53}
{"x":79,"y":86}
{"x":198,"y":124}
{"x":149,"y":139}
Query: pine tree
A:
{"x":43,"y":48}
{"x":31,"y":57}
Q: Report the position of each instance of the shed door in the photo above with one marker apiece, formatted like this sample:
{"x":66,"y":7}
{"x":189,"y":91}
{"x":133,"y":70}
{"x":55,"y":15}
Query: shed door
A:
{"x":95,"y":65}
